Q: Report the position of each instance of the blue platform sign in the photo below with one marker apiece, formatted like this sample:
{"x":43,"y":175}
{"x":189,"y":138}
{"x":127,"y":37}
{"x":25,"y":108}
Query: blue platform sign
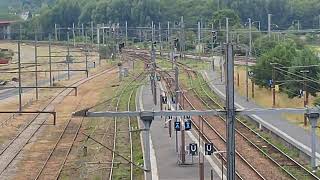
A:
{"x":270,"y":82}
{"x":208,"y":148}
{"x":177,"y":126}
{"x":187,"y":125}
{"x":193,"y":149}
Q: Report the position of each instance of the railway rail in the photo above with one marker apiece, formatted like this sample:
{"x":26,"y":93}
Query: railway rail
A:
{"x":254,"y":139}
{"x":244,"y":169}
{"x":287,"y":164}
{"x":277,"y":156}
{"x":14,"y":147}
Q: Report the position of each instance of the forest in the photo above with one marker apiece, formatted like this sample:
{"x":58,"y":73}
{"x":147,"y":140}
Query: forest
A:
{"x":285,"y":13}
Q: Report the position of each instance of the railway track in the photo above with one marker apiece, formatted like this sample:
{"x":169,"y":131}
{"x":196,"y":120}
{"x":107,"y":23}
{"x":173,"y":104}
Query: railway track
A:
{"x":246,"y":170}
{"x":121,"y":128}
{"x":277,"y":156}
{"x":246,"y":135}
{"x":52,"y":167}
{"x":288,"y":165}
{"x":14,"y":147}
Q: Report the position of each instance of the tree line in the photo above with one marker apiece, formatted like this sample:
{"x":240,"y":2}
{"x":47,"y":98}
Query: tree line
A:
{"x":285,"y":13}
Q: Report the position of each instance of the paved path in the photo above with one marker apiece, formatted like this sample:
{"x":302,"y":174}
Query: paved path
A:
{"x":164,"y":159}
{"x":292,"y":133}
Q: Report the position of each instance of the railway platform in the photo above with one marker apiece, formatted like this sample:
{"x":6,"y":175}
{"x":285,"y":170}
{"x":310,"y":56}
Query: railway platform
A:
{"x":164,"y":158}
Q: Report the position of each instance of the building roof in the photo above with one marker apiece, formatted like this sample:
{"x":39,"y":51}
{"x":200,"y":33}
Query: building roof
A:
{"x":6,"y":22}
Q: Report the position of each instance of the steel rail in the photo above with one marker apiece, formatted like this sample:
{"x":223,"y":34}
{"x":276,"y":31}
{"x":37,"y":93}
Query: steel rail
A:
{"x":299,"y":167}
{"x":78,"y":83}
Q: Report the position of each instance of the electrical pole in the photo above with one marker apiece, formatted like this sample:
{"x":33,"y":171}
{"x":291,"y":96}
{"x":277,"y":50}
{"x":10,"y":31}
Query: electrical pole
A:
{"x":160,"y":40}
{"x":177,"y":100}
{"x":152,"y":32}
{"x":126,"y":32}
{"x":182,"y":38}
{"x":82,"y":30}
{"x":50,"y":62}
{"x":68,"y":56}
{"x":230,"y":112}
{"x":55,"y":32}
{"x":87,"y":56}
{"x":227,"y":30}
{"x":273,"y":86}
{"x":103,"y":38}
{"x":319,"y":21}
{"x":91,"y":34}
{"x":168,"y":35}
{"x":247,"y":76}
{"x":36,"y":64}
{"x":199,"y":40}
{"x":250,"y":37}
{"x":305,"y":94}
{"x":73,"y":35}
{"x":269,"y":25}
{"x":98,"y":36}
{"x":19,"y":66}
{"x":153,"y":75}
{"x":212,"y":48}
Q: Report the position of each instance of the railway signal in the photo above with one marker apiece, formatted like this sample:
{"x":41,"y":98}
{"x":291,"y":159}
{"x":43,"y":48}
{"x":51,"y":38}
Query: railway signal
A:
{"x":214,"y":36}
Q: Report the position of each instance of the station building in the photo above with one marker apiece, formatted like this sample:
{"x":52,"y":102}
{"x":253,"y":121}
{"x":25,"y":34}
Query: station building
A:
{"x":5,"y":29}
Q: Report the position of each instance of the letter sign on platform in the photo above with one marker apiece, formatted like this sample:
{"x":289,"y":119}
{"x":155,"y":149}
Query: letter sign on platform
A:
{"x":208,"y":148}
{"x":193,"y":149}
{"x":187,"y":125}
{"x":177,"y":126}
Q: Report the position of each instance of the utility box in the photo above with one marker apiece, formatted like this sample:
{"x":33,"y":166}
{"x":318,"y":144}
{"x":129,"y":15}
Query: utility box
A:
{"x":125,"y":72}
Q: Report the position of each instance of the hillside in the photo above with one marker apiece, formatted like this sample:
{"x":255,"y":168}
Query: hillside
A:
{"x":9,"y":7}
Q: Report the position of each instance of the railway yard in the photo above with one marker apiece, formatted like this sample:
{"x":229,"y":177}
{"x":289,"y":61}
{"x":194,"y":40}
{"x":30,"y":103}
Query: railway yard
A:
{"x":61,"y":145}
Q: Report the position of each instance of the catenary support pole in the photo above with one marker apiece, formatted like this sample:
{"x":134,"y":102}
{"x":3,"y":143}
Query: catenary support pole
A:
{"x":98,"y":36}
{"x":87,"y":56}
{"x":126,"y":32}
{"x":19,"y":67}
{"x":230,"y":112}
{"x":269,"y":25}
{"x":160,"y":40}
{"x":92,"y":35}
{"x":36,"y":64}
{"x":250,"y":37}
{"x":247,"y":76}
{"x":50,"y":61}
{"x":68,"y":55}
{"x":73,"y":35}
{"x":273,"y":86}
{"x":227,"y":30}
{"x":168,"y":34}
{"x":55,"y":32}
{"x":199,"y":40}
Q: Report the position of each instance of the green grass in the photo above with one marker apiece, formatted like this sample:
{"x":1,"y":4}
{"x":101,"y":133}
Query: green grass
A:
{"x":122,"y":141}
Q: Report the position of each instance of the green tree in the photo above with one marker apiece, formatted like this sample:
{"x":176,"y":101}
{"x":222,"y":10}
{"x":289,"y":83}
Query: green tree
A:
{"x":220,"y":16}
